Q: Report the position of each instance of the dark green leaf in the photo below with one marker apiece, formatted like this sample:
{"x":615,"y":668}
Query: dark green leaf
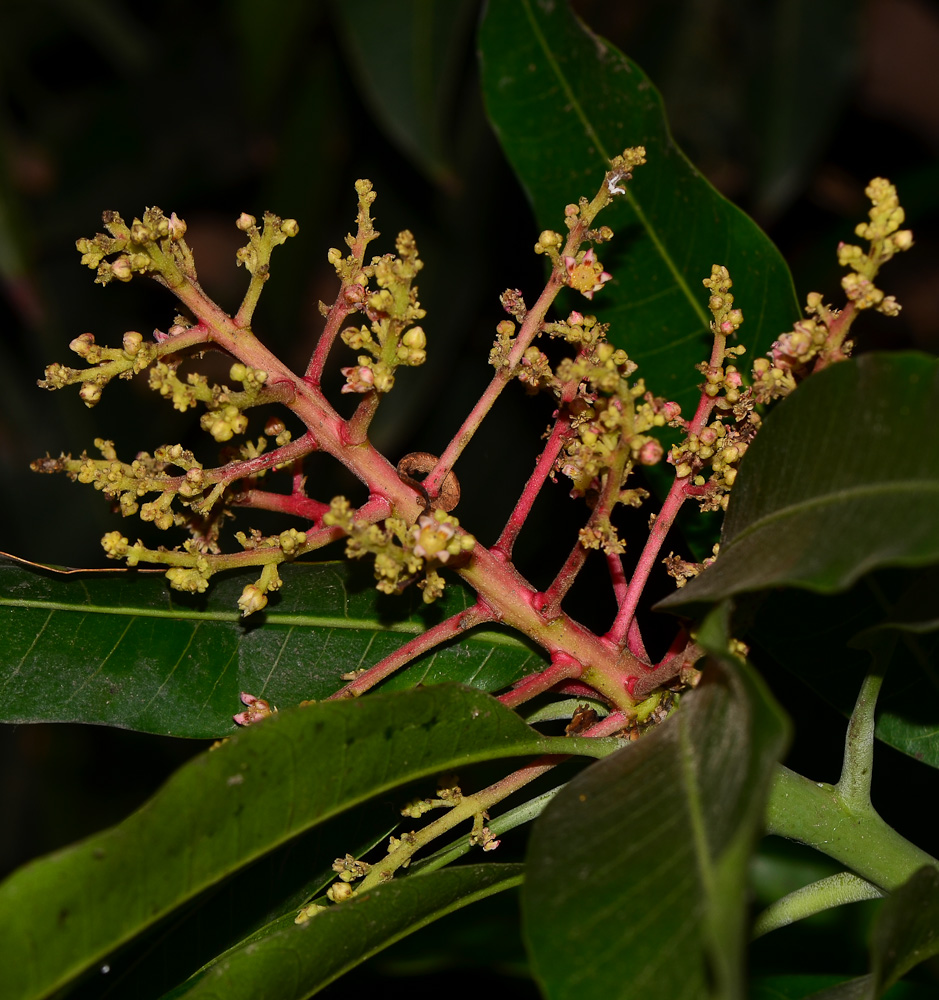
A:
{"x":906,"y":933}
{"x":226,"y":808}
{"x":636,"y":870}
{"x":907,"y":929}
{"x":843,"y":478}
{"x":790,"y":987}
{"x":289,"y":961}
{"x":120,"y":648}
{"x":824,"y":650}
{"x":860,"y":989}
{"x":562,"y":102}
{"x":407,"y":59}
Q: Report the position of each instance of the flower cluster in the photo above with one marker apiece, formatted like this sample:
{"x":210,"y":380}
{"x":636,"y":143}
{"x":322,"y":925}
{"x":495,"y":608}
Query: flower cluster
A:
{"x":391,"y":338}
{"x":402,"y":552}
{"x":154,"y":244}
{"x":821,"y":338}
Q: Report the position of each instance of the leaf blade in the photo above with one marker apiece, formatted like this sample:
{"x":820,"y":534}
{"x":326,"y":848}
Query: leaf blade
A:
{"x":281,"y":961}
{"x":848,"y":456}
{"x":666,"y":823}
{"x":227,"y":807}
{"x":119,"y":648}
{"x":548,"y":81}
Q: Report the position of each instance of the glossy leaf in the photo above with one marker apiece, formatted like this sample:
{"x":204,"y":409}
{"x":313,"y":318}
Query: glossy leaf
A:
{"x":288,"y":961}
{"x":120,"y":648}
{"x":843,"y":478}
{"x":564,"y":101}
{"x":226,"y":808}
{"x":636,"y":870}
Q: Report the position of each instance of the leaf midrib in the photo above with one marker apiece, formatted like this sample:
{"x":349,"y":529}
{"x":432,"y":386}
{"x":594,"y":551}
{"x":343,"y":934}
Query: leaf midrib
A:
{"x":302,"y":620}
{"x":592,"y":134}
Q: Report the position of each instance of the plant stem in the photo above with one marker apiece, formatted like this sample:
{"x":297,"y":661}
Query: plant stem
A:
{"x":473,"y":806}
{"x":530,"y":329}
{"x":816,"y":814}
{"x":666,"y":517}
{"x":563,"y":668}
{"x":440,"y":633}
{"x":537,"y":479}
{"x":282,"y":503}
{"x":525,"y":813}
{"x":854,"y":785}
{"x":836,"y":890}
{"x":660,"y":528}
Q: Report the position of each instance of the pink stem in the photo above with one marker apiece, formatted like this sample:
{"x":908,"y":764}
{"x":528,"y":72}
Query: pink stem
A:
{"x":677,"y":495}
{"x":615,"y":565}
{"x":444,"y":631}
{"x":563,"y":668}
{"x":530,"y":329}
{"x":536,"y":481}
{"x":663,"y":522}
{"x":293,"y":504}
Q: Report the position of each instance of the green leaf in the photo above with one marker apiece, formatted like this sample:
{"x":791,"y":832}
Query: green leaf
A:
{"x":828,"y":987}
{"x":227,"y":807}
{"x":286,"y":960}
{"x":408,"y":58}
{"x":563,"y":102}
{"x":907,"y":929}
{"x":842,"y":478}
{"x":825,"y":649}
{"x":795,"y":987}
{"x":119,"y":648}
{"x":906,"y":932}
{"x":636,"y":870}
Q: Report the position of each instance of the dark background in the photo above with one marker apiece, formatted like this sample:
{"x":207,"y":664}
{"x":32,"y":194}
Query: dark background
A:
{"x":216,"y":108}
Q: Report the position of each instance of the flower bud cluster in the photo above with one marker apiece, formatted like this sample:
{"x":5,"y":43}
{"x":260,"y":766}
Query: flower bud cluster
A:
{"x":106,"y":363}
{"x":128,"y":482}
{"x":886,"y":238}
{"x":256,"y":255}
{"x":578,"y":329}
{"x":391,"y":338}
{"x":726,"y":320}
{"x":154,"y":244}
{"x":606,"y":417}
{"x":348,"y":267}
{"x":403,"y":551}
{"x":820,"y":339}
{"x":349,"y":869}
{"x":189,"y":570}
{"x":600,"y":534}
{"x":720,"y":446}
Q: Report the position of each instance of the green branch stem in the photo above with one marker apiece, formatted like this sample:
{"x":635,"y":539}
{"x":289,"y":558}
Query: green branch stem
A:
{"x":827,"y":893}
{"x":474,"y":807}
{"x":817,"y":814}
